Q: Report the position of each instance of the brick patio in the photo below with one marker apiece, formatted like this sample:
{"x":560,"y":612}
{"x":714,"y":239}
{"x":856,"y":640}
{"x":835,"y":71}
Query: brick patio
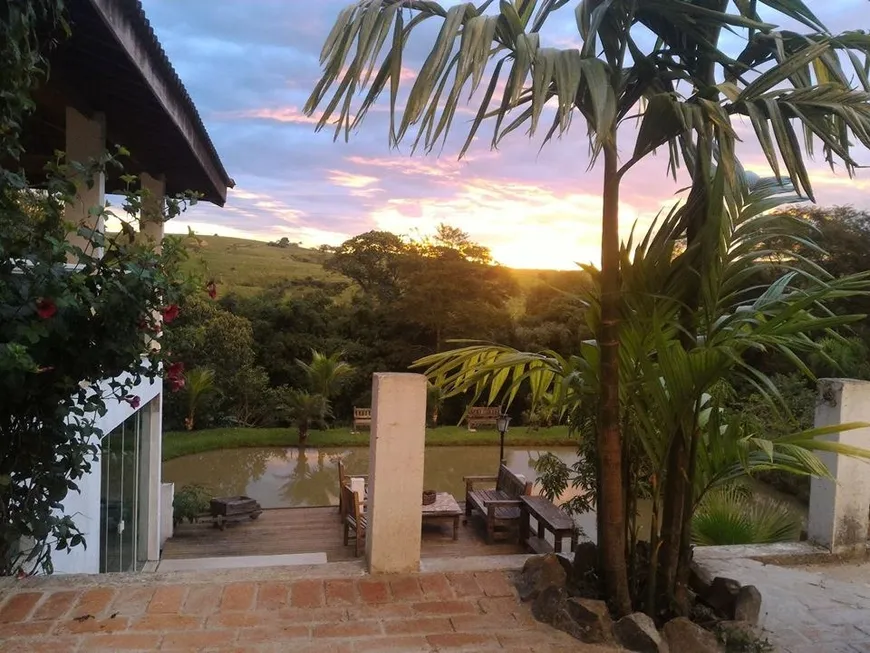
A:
{"x":271,"y":611}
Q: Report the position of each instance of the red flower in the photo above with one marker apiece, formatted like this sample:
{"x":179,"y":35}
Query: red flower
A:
{"x":175,"y":376}
{"x":211,"y":289}
{"x":45,"y":308}
{"x":133,"y":400}
{"x":170,"y":313}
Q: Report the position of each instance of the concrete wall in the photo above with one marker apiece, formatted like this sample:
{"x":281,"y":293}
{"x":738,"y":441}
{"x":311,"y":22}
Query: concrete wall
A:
{"x":838,"y":514}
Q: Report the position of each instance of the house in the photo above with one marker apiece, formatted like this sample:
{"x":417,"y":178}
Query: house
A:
{"x":112,"y":84}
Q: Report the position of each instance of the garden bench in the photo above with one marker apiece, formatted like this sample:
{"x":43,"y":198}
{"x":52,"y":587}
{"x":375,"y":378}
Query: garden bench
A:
{"x":482,"y":416}
{"x":500,"y":506}
{"x":549,"y":518}
{"x":361,"y":417}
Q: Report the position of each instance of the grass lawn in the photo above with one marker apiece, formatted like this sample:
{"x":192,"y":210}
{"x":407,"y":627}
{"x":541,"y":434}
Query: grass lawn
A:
{"x":182,"y":443}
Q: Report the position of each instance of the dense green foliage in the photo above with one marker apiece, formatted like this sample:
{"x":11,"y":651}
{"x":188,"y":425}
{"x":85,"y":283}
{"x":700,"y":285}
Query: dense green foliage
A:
{"x":400,"y":300}
{"x":732,"y":515}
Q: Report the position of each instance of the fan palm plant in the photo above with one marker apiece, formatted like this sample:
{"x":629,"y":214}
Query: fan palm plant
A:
{"x":617,"y":73}
{"x":305,"y":409}
{"x":732,"y":515}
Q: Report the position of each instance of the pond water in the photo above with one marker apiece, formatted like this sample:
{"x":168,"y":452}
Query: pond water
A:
{"x":293,"y":477}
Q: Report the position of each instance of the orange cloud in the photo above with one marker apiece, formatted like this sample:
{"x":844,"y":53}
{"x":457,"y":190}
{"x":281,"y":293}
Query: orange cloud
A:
{"x":289,"y":114}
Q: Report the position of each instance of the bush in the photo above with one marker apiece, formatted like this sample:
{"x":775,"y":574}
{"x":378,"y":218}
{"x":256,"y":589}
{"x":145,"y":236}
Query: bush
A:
{"x":190,"y":502}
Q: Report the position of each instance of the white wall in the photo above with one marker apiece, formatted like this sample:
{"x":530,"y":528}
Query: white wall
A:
{"x":84,"y":506}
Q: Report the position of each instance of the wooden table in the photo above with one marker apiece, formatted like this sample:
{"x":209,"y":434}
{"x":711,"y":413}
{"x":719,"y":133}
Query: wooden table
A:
{"x":445,"y":508}
{"x":550,"y":518}
{"x":227,"y":509}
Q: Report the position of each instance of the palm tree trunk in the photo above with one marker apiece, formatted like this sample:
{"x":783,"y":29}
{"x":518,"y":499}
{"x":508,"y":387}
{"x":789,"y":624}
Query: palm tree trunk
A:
{"x":611,"y":503}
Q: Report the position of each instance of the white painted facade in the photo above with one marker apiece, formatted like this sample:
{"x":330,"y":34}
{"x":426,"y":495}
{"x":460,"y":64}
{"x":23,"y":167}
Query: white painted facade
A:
{"x":84,"y":506}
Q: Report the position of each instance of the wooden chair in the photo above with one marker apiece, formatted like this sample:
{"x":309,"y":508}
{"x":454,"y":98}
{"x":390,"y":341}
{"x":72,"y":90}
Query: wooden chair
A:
{"x":501,"y":507}
{"x":354,"y":519}
{"x":361,"y":417}
{"x":344,"y":480}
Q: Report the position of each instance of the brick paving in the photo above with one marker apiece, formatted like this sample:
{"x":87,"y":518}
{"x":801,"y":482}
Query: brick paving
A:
{"x":472,"y":611}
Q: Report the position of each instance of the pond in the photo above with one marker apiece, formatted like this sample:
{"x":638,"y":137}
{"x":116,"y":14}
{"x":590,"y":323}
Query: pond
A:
{"x":292,"y":477}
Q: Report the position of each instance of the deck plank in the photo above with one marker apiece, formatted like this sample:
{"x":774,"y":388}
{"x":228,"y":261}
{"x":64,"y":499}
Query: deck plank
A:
{"x":310,"y":530}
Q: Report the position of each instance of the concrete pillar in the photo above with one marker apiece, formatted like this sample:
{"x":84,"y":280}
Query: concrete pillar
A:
{"x":398,"y":439}
{"x":151,"y":218}
{"x":150,"y":478}
{"x":85,"y":140}
{"x":838,"y":514}
{"x":167,"y":496}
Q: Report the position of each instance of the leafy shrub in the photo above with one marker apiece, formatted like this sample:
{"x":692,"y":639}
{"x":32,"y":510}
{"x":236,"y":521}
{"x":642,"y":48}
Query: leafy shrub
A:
{"x":190,"y":502}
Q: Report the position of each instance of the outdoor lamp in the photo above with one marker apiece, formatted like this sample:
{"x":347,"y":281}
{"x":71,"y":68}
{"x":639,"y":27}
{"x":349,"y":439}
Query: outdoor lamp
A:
{"x":502,"y":423}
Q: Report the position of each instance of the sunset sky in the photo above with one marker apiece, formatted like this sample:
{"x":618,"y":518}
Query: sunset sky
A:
{"x":250,"y":65}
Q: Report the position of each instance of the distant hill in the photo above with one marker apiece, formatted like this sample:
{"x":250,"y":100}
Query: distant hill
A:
{"x":247,"y":266}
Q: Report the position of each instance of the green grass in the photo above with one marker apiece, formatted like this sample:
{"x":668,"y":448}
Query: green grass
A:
{"x":182,"y":443}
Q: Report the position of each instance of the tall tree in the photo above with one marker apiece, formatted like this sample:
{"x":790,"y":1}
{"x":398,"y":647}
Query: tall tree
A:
{"x":617,"y":73}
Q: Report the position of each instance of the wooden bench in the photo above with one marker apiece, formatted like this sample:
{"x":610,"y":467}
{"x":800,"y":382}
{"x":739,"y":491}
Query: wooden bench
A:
{"x":482,"y":416}
{"x":361,"y":417}
{"x":501,"y":506}
{"x":549,"y":517}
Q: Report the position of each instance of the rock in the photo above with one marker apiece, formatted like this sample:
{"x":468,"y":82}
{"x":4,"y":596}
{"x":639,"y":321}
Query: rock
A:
{"x":747,"y":606}
{"x":638,"y":633}
{"x":722,"y":596}
{"x":685,"y":635}
{"x":593,"y":617}
{"x":539,"y":573}
{"x":548,"y":603}
{"x":738,"y":631}
{"x":699,"y":579}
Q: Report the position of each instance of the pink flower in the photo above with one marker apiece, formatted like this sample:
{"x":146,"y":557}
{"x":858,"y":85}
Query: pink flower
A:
{"x":45,"y":308}
{"x":170,"y":313}
{"x":175,"y":376}
{"x":211,"y":289}
{"x":133,"y":400}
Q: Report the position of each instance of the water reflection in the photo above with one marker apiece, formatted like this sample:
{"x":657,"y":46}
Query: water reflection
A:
{"x":287,"y":478}
{"x":283,"y":478}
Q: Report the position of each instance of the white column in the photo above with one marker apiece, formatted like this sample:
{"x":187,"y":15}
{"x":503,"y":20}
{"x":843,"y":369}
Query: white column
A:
{"x":838,"y":515}
{"x":398,"y":439}
{"x":85,"y":140}
{"x":151,"y":219}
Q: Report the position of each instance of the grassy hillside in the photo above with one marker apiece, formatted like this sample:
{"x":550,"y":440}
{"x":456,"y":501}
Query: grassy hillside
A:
{"x":246,"y":266}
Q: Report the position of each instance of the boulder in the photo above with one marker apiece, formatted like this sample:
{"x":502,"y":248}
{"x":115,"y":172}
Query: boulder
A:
{"x":539,"y":573}
{"x":738,"y":631}
{"x":684,"y":635}
{"x":592,"y":617}
{"x":722,"y":596}
{"x":699,"y":579}
{"x":747,"y":606}
{"x":638,"y":633}
{"x":548,"y":603}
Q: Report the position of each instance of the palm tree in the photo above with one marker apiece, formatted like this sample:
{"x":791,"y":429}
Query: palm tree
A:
{"x":668,"y":388}
{"x":326,"y":373}
{"x":199,"y":383}
{"x":617,"y":73}
{"x":305,"y":408}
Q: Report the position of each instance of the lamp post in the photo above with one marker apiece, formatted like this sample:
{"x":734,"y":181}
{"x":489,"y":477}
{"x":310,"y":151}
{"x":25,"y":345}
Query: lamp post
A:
{"x":502,"y":424}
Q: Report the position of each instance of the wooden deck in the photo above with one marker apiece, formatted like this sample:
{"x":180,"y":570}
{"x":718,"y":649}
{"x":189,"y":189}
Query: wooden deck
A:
{"x":310,"y":530}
